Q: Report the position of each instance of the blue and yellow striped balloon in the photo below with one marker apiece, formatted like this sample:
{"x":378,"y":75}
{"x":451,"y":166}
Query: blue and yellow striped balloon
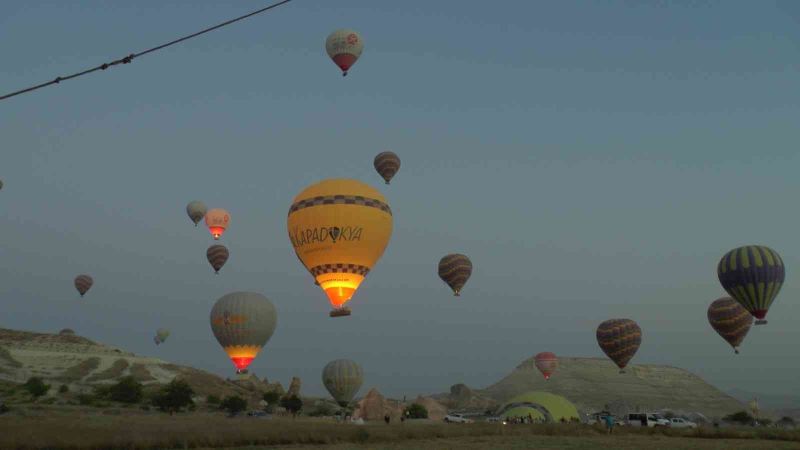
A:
{"x":753,"y":275}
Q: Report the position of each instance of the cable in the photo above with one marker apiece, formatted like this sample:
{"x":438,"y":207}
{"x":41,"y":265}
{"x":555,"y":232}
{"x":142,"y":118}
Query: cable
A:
{"x":129,"y":58}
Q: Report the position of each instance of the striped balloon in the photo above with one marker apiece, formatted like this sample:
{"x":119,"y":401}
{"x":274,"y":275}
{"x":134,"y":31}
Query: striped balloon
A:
{"x":387,"y":164}
{"x":455,"y":269}
{"x":753,"y":275}
{"x":547,"y":363}
{"x":83,"y":283}
{"x":342,"y":378}
{"x":243,"y":322}
{"x":217,"y":256}
{"x":730,"y":320}
{"x":619,"y":339}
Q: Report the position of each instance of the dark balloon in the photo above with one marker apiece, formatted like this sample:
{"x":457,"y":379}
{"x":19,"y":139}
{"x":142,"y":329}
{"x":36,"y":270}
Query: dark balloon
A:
{"x":387,"y":164}
{"x":753,"y":275}
{"x":83,"y":283}
{"x":547,"y":363}
{"x":730,"y":320}
{"x":455,"y":269}
{"x":217,"y":256}
{"x":619,"y":339}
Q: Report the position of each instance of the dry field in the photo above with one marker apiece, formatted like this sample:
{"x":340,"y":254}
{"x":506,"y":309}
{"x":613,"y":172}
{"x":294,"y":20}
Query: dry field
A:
{"x":81,"y":431}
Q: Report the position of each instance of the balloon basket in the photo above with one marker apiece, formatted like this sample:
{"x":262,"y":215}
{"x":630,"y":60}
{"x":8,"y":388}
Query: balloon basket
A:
{"x":340,"y":312}
{"x":761,"y":322}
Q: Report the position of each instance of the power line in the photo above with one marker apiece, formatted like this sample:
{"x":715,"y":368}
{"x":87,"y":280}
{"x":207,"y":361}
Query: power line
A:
{"x":129,"y":58}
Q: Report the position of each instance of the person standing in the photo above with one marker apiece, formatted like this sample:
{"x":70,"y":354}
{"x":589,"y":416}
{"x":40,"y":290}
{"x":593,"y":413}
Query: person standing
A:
{"x":610,"y":423}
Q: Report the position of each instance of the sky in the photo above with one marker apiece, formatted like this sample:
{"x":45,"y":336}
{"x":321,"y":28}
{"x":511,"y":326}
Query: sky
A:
{"x":594,"y":160}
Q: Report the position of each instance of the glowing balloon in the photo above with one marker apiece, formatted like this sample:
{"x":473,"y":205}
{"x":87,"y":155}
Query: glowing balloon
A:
{"x":83,"y":283}
{"x":730,"y":320}
{"x":753,"y":275}
{"x":196,"y":210}
{"x":344,"y":47}
{"x":619,"y":339}
{"x":387,"y":164}
{"x":339,"y":229}
{"x":217,"y":221}
{"x":455,"y":269}
{"x":342,"y":378}
{"x":243,"y":322}
{"x":217,"y":255}
{"x":547,"y":363}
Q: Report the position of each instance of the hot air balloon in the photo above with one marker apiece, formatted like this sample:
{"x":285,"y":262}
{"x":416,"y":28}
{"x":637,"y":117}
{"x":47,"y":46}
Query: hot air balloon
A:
{"x":83,"y":283}
{"x":753,"y":276}
{"x":547,"y":363}
{"x":196,"y":211}
{"x":455,"y":269}
{"x":619,"y":339}
{"x":217,"y":256}
{"x":243,"y":322}
{"x":161,"y":335}
{"x":344,"y":47}
{"x":342,"y":378}
{"x":339,"y":229}
{"x":753,"y":405}
{"x":1,"y":184}
{"x":217,"y":221}
{"x":387,"y":164}
{"x":730,"y":320}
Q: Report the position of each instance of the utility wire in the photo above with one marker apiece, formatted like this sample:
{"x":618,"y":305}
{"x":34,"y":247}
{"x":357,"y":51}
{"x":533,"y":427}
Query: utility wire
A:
{"x":129,"y":58}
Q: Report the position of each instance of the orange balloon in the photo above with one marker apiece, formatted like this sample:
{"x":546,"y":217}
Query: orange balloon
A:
{"x":217,"y":221}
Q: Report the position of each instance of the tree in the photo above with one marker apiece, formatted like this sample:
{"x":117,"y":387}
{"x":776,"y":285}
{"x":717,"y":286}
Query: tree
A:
{"x":127,"y":390}
{"x":786,"y":421}
{"x":212,"y":399}
{"x":234,"y":404}
{"x":271,"y":398}
{"x":417,"y":411}
{"x":36,"y":387}
{"x":174,"y":396}
{"x":292,"y":404}
{"x":741,"y":417}
{"x":63,"y":389}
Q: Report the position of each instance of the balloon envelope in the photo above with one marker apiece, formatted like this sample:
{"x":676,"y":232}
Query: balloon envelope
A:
{"x":342,"y":378}
{"x":196,"y":210}
{"x":730,"y":320}
{"x":547,"y":363}
{"x":217,"y":256}
{"x":455,"y":269}
{"x":217,"y":221}
{"x":753,"y":275}
{"x":339,"y":229}
{"x":387,"y":164}
{"x":161,"y":335}
{"x":344,"y":47}
{"x":619,"y":339}
{"x":83,"y":283}
{"x":243,"y":322}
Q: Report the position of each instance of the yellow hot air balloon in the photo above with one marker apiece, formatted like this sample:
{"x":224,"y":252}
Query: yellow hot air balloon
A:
{"x":339,"y":229}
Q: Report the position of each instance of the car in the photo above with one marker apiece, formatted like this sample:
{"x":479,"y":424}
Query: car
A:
{"x":496,"y":420}
{"x":679,"y":422}
{"x":646,"y":420}
{"x":257,"y":413}
{"x":456,"y":418}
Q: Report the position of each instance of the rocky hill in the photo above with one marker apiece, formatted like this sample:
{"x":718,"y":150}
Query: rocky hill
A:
{"x":594,"y":383}
{"x":79,"y":363}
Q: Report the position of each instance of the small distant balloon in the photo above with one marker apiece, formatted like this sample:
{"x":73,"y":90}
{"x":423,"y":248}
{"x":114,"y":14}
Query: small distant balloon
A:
{"x":753,"y":275}
{"x":196,"y":210}
{"x":217,"y":255}
{"x":217,"y":221}
{"x":1,"y":184}
{"x":344,"y":47}
{"x":619,"y":339}
{"x":455,"y":269}
{"x":83,"y":283}
{"x":161,"y":335}
{"x":730,"y":320}
{"x":387,"y":164}
{"x":547,"y":363}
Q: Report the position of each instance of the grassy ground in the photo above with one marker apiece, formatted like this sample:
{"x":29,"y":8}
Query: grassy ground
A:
{"x":81,"y":431}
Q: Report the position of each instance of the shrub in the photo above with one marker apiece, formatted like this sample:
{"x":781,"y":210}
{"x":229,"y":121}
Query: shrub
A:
{"x":322,"y":409}
{"x":271,"y":397}
{"x":86,"y":399}
{"x":292,"y":404}
{"x":233,"y":404}
{"x":36,"y":387}
{"x":127,"y":390}
{"x":212,"y":399}
{"x":174,"y":396}
{"x":741,"y":417}
{"x":417,"y":411}
{"x":63,"y":389}
{"x":786,"y":421}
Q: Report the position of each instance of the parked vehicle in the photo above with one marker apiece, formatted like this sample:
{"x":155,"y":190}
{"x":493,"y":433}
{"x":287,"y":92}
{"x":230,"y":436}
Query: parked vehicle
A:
{"x":646,"y":420}
{"x":457,"y":418}
{"x":496,"y":420}
{"x":679,"y":422}
{"x":257,"y":413}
